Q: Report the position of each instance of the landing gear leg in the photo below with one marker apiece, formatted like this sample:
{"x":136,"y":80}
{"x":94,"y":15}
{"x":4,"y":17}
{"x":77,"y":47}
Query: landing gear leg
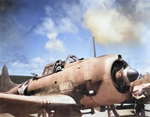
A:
{"x":109,"y":111}
{"x":139,"y":109}
{"x":44,"y":113}
{"x":112,"y":107}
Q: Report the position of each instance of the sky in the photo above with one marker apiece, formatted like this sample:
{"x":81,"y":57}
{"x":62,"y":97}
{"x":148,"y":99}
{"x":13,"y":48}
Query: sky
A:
{"x":34,"y":33}
{"x":37,"y":32}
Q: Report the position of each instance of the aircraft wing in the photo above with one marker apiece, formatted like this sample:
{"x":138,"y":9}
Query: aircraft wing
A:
{"x":139,"y":91}
{"x":19,"y":105}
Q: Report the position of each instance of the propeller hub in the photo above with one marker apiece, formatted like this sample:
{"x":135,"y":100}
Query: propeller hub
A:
{"x":132,"y":75}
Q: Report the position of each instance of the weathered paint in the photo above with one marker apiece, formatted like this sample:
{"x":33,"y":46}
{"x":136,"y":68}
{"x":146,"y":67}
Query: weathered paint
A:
{"x":71,"y":81}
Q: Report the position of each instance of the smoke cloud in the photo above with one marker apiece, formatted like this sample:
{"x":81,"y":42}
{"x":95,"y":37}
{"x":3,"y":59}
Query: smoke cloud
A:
{"x":109,"y":26}
{"x":115,"y":21}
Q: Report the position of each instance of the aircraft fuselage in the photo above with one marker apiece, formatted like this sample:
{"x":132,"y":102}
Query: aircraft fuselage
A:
{"x":89,"y":82}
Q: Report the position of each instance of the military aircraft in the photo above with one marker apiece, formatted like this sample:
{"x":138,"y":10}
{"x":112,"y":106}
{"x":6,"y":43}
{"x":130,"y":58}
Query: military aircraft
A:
{"x":67,"y":87}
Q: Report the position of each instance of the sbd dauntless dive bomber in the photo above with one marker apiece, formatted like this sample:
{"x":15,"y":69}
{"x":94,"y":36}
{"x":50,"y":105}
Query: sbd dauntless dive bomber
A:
{"x":66,"y":87}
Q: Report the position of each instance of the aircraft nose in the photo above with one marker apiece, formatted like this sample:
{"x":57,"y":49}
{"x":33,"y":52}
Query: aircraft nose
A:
{"x":132,"y":74}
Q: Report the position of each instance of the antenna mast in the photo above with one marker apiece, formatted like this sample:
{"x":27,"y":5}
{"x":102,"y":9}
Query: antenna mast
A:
{"x":94,"y":47}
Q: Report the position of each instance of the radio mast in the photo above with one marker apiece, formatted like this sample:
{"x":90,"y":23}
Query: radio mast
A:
{"x":94,"y":47}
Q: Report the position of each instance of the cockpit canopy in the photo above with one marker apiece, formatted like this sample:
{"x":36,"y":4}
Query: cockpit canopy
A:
{"x":58,"y":65}
{"x":53,"y":67}
{"x":71,"y":59}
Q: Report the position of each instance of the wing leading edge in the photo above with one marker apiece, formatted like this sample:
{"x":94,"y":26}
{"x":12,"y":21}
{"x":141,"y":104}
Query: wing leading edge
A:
{"x":19,"y":105}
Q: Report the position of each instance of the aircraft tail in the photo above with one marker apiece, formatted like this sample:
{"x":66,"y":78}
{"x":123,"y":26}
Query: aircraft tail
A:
{"x":5,"y":83}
